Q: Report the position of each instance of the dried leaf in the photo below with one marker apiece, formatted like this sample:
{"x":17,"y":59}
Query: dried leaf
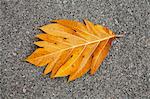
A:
{"x":71,"y":48}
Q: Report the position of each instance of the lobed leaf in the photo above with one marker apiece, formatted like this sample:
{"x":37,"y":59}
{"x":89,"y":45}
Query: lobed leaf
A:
{"x":71,"y":48}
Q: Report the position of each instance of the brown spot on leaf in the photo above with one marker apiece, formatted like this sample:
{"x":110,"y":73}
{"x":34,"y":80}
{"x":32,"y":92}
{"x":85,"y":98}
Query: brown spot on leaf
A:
{"x":65,"y":38}
{"x":92,"y":56}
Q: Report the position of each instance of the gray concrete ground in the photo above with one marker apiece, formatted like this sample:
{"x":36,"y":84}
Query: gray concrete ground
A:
{"x":125,"y":74}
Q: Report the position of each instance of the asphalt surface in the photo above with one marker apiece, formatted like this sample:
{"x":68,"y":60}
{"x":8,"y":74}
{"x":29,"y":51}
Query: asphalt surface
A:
{"x":125,"y":74}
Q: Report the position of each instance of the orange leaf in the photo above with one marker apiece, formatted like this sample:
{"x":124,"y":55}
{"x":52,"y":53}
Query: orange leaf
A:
{"x":71,"y":48}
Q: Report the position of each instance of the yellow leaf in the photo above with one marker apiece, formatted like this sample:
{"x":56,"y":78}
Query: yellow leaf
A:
{"x":66,"y":68}
{"x":50,"y":66}
{"x":63,"y":58}
{"x":77,"y":26}
{"x":57,"y":27}
{"x":85,"y":56}
{"x":71,"y":48}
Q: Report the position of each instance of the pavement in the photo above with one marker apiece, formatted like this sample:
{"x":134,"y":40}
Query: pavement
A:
{"x":124,"y":74}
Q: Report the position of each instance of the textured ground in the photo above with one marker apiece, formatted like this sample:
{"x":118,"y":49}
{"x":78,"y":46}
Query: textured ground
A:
{"x":125,"y":74}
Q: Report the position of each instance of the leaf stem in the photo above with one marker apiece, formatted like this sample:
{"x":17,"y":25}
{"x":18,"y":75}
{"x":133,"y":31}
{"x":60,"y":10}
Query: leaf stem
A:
{"x":118,"y":36}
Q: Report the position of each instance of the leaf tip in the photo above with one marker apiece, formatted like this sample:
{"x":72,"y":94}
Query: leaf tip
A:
{"x":53,"y":21}
{"x":43,"y":74}
{"x":52,"y":77}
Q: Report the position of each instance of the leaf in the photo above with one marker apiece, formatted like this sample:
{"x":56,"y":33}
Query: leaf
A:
{"x":71,"y":48}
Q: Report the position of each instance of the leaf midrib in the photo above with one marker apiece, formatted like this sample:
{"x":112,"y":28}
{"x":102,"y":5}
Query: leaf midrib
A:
{"x":76,"y":46}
